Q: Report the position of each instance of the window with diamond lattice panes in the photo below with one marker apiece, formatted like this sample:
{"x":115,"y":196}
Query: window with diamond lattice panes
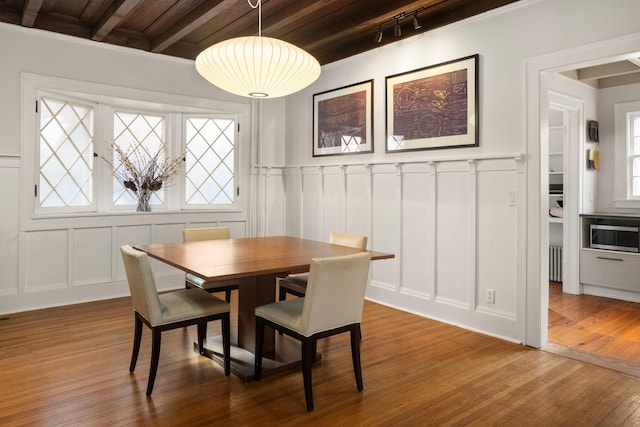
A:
{"x":142,"y":136}
{"x":210,"y":161}
{"x":66,"y":154}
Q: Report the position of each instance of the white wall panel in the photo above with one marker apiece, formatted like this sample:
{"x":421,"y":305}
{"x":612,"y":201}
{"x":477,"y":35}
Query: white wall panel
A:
{"x":334,"y":202}
{"x":358,"y":201}
{"x":92,"y":256}
{"x":452,"y":239}
{"x":497,"y":220}
{"x":46,"y":260}
{"x":312,"y":204}
{"x":274,"y":205}
{"x":417,"y":234}
{"x":293,"y":203}
{"x":386,"y":232}
{"x":9,"y":214}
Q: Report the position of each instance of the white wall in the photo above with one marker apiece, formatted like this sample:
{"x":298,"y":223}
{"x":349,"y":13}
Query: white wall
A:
{"x":419,"y":205}
{"x":607,"y":98}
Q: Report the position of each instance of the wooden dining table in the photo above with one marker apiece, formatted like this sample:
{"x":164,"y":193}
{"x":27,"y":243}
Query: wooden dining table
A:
{"x":255,"y":263}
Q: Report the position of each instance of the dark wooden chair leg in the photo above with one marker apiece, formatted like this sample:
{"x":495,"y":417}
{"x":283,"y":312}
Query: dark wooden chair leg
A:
{"x":308,"y":354}
{"x":355,"y":355}
{"x":156,"y":340}
{"x":202,"y":334}
{"x":137,"y":338}
{"x":226,"y":343}
{"x":257,"y":373}
{"x":282,"y":294}
{"x":227,"y":296}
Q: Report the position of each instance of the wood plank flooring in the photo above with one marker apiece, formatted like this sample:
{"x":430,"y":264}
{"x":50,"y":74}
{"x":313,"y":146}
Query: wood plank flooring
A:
{"x":603,"y":327}
{"x":68,"y":366}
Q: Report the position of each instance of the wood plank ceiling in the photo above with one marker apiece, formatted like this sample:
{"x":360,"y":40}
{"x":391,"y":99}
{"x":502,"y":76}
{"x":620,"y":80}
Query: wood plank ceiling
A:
{"x":328,"y":29}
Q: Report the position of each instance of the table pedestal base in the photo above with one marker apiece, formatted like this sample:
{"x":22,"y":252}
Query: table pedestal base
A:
{"x":287,"y":357}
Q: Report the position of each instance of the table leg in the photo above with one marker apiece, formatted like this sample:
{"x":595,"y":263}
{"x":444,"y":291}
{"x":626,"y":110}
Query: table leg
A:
{"x":253,"y":292}
{"x":281,"y":352}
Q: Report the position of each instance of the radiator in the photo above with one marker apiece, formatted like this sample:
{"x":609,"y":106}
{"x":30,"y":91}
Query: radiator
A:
{"x":555,"y":263}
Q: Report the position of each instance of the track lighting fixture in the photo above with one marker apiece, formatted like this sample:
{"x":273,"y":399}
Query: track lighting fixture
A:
{"x":379,"y":34}
{"x":416,"y":21}
{"x":397,"y":28}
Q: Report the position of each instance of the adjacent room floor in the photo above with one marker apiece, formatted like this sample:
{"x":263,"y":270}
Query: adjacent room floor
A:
{"x":598,"y":330}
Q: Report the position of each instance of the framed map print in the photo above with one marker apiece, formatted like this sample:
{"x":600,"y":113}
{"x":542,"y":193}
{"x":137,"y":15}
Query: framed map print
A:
{"x":343,"y":120}
{"x":433,"y":107}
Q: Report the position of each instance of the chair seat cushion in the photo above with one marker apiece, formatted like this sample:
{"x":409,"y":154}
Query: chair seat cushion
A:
{"x":286,"y":313}
{"x":295,"y":282}
{"x":189,"y":303}
{"x":203,"y":284}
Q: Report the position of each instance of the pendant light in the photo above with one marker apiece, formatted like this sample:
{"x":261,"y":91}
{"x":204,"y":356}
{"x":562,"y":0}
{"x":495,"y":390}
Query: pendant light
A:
{"x":257,"y":67}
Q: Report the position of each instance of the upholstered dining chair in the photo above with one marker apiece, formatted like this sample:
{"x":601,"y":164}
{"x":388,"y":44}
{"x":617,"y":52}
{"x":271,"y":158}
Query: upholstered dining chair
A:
{"x":295,"y":284}
{"x":161,"y":312}
{"x":332,"y":305}
{"x":191,"y":281}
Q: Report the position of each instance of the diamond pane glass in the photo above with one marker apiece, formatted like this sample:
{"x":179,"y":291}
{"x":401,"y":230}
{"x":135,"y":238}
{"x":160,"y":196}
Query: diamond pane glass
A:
{"x":210,"y":145}
{"x":140,"y":135}
{"x":66,"y":148}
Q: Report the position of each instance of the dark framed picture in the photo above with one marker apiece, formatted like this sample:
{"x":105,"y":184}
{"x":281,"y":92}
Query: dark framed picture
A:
{"x":343,"y":120}
{"x":433,"y":107}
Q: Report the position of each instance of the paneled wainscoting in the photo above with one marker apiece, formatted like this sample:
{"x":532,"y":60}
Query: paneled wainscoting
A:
{"x":455,"y":226}
{"x":78,"y":259}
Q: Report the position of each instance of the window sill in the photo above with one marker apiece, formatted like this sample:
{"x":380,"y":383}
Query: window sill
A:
{"x":128,"y":218}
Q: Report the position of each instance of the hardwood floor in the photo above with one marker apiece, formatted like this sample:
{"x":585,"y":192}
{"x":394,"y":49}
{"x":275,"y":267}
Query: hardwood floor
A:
{"x":68,"y":366}
{"x":607,"y":329}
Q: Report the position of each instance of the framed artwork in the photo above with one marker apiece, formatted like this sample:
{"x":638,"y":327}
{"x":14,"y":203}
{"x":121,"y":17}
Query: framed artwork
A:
{"x":343,"y":120}
{"x":433,"y":107}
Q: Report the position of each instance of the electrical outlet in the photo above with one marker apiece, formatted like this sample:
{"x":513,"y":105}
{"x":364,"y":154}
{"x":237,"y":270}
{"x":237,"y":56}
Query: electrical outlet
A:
{"x":491,"y":296}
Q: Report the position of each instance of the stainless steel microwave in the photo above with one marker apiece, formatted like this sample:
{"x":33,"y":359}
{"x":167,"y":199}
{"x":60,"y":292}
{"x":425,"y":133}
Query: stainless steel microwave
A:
{"x":615,"y":237}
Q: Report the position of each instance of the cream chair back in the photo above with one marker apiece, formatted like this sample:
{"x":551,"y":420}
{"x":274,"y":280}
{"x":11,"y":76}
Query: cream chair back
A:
{"x":215,"y":233}
{"x":351,"y":240}
{"x":335,"y":292}
{"x":142,"y":284}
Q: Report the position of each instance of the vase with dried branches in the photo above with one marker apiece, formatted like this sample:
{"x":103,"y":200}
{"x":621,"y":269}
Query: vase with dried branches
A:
{"x":144,"y":174}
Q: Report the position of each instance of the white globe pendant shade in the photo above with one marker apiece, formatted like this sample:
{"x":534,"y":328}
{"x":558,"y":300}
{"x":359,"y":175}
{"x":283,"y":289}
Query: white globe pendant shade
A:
{"x":257,"y":67}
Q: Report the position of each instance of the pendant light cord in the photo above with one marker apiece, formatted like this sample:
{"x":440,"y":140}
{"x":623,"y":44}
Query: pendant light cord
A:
{"x":259,"y":7}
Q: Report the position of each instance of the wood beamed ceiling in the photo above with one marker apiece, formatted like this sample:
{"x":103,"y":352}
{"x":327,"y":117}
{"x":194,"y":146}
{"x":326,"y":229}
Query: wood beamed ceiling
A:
{"x":328,"y":29}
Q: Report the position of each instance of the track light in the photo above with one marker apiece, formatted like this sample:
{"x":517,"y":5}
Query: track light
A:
{"x":397,"y":28}
{"x":379,"y":34}
{"x":416,"y":21}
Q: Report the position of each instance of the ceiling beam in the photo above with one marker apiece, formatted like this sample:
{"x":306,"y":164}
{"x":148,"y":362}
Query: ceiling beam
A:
{"x":621,"y":80}
{"x":190,"y":22}
{"x":607,"y":70}
{"x":115,"y":14}
{"x":30,"y":12}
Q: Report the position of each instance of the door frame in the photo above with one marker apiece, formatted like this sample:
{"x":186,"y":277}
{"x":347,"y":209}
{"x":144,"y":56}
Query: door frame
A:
{"x":536,"y":295}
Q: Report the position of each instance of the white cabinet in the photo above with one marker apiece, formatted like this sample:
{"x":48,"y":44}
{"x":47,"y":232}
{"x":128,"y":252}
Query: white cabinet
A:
{"x":606,"y":272}
{"x":610,"y":269}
